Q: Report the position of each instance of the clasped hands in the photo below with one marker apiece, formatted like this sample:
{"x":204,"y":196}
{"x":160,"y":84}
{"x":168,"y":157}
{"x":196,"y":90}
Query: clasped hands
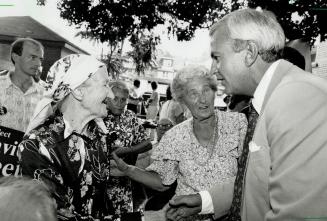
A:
{"x":181,"y":207}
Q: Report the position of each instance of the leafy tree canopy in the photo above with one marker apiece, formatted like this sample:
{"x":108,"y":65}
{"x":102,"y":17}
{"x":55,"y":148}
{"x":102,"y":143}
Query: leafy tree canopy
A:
{"x":299,"y":18}
{"x":114,"y":20}
{"x":143,"y":53}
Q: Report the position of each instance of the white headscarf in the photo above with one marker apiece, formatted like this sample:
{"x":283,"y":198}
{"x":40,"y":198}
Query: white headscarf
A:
{"x":64,"y":76}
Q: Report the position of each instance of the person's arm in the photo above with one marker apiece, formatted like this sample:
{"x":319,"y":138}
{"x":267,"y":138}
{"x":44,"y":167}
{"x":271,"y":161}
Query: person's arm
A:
{"x":141,"y":140}
{"x":141,"y":147}
{"x":148,"y":178}
{"x":296,"y":123}
{"x":222,"y":196}
{"x":131,"y":97}
{"x":217,"y":200}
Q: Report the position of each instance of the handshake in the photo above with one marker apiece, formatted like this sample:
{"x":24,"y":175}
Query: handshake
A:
{"x":181,"y":207}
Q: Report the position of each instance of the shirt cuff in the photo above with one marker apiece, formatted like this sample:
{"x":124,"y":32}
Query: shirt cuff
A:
{"x":207,"y":206}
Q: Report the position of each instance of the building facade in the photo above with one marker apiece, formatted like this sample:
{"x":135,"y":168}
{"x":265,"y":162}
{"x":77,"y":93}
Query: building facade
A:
{"x":55,"y":46}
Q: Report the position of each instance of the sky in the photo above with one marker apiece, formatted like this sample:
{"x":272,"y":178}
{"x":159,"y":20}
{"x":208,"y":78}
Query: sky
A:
{"x":48,"y":15}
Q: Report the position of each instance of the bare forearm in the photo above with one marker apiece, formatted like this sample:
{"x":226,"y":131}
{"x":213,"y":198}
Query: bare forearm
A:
{"x":136,"y":149}
{"x":148,"y":178}
{"x":141,"y":147}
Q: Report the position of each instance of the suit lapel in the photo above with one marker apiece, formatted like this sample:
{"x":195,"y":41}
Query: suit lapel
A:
{"x":281,"y":71}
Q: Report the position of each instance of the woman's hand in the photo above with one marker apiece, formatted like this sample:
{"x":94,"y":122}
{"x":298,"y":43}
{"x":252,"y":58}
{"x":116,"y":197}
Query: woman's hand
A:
{"x":118,"y":167}
{"x":181,"y":207}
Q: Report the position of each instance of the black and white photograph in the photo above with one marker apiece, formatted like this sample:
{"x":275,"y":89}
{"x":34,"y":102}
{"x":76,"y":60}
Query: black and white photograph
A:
{"x":163,"y":110}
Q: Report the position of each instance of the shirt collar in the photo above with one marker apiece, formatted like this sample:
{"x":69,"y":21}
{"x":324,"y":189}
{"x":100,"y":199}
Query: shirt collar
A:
{"x":261,"y":90}
{"x":35,"y":87}
{"x":69,"y":130}
{"x":8,"y":80}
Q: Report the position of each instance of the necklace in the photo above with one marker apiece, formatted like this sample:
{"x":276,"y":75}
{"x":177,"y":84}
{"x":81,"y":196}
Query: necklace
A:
{"x":211,"y":144}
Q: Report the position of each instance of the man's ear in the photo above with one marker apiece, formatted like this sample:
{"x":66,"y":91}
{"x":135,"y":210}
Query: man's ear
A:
{"x":78,"y":93}
{"x":14,"y":57}
{"x":251,"y":53}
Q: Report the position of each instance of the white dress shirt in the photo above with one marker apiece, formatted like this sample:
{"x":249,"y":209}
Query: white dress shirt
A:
{"x":257,"y":102}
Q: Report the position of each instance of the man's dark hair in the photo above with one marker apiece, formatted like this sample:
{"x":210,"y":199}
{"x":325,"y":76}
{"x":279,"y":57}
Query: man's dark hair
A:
{"x":154,"y":85}
{"x":17,"y":46}
{"x":294,"y":56}
{"x":137,"y":83}
{"x":168,"y":93}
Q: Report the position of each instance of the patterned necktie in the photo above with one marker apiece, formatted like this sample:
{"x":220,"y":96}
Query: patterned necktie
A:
{"x":235,"y":210}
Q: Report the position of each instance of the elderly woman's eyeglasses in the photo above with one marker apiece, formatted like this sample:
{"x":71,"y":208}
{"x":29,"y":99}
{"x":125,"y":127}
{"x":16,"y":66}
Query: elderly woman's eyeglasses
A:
{"x":164,"y":126}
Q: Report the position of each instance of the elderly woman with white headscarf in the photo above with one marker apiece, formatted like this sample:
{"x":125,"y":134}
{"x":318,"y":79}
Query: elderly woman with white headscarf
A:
{"x":65,"y":144}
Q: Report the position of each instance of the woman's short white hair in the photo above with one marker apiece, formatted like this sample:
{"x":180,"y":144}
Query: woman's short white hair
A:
{"x":188,"y":74}
{"x":259,"y":26}
{"x":121,"y":85}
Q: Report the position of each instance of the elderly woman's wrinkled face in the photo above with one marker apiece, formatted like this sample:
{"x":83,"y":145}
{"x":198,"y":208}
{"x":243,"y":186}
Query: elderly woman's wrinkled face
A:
{"x":117,"y":105}
{"x":96,"y":91}
{"x":199,"y":98}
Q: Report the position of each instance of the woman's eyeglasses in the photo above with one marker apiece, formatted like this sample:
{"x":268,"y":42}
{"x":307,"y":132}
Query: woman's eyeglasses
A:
{"x":164,"y":126}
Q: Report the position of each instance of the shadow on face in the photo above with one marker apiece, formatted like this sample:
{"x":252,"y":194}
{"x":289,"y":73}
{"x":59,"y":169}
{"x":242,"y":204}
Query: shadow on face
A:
{"x":117,"y":105}
{"x":96,"y":92}
{"x":163,"y":126}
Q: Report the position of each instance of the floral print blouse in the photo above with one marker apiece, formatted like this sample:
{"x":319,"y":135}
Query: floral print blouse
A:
{"x":74,"y":168}
{"x":129,"y":132}
{"x":179,"y":156}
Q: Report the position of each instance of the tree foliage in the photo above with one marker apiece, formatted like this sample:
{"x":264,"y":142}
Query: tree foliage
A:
{"x":112,"y":21}
{"x":113,"y":59}
{"x":143,"y":53}
{"x":115,"y":64}
{"x":115,"y":20}
{"x":312,"y":15}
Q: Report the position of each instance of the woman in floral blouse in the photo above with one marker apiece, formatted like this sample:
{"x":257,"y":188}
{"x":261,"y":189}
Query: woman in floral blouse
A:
{"x":65,"y":144}
{"x":198,"y":152}
{"x":131,"y":139}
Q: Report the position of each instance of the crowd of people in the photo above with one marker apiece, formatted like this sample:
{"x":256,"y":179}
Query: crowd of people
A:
{"x":262,"y":159}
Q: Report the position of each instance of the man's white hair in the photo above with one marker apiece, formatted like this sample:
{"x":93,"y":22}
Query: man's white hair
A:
{"x":259,"y":26}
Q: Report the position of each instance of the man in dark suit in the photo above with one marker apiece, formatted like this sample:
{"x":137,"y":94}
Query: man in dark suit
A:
{"x":284,"y":176}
